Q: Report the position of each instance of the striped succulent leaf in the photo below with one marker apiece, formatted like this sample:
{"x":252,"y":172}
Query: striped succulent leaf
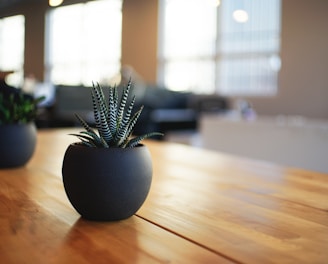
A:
{"x":136,"y":141}
{"x":123,"y":127}
{"x":96,"y":112}
{"x":90,"y":138}
{"x":124,"y":99}
{"x":114,"y":122}
{"x":112,"y":109}
{"x":134,"y":120}
{"x":101,"y":123}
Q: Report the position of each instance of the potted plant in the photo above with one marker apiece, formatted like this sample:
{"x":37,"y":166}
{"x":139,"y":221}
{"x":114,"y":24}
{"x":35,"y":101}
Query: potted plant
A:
{"x":107,"y":175}
{"x":17,"y":128}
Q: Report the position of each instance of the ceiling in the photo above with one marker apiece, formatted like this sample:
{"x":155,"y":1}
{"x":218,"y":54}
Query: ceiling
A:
{"x":6,"y":3}
{"x":11,"y":3}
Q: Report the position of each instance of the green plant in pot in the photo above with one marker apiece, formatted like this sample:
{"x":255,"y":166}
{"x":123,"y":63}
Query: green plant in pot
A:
{"x":107,"y":175}
{"x":17,"y":128}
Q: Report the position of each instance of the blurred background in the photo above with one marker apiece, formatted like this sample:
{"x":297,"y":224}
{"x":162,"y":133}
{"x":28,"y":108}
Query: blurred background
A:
{"x":195,"y":65}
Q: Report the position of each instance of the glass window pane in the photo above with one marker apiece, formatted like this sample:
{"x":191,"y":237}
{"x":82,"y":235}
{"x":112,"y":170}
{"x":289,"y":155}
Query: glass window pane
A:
{"x":189,"y":28}
{"x":259,"y":34}
{"x":85,"y":42}
{"x":245,"y":65}
{"x":247,"y":76}
{"x":191,"y":75}
{"x":12,"y":32}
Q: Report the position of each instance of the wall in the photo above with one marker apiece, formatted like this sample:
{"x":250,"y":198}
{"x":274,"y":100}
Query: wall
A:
{"x":139,"y":37}
{"x":34,"y":39}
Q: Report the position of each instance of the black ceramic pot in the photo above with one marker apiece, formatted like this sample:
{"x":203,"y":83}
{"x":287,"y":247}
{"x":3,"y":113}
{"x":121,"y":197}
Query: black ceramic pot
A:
{"x":17,"y":144}
{"x":106,"y":184}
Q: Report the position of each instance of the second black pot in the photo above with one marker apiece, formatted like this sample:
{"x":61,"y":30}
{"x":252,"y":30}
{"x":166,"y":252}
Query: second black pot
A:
{"x":17,"y":144}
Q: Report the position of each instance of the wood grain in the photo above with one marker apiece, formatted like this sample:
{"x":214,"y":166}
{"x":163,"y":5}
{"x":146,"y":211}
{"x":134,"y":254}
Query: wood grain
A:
{"x":38,"y":224}
{"x":203,"y":207}
{"x":253,"y":212}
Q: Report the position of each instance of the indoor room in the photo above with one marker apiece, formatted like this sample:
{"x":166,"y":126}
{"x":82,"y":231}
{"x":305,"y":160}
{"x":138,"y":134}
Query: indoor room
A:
{"x":163,"y":131}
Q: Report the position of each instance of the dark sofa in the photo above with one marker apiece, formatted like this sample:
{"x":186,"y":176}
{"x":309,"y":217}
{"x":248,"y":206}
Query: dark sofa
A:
{"x":164,"y":110}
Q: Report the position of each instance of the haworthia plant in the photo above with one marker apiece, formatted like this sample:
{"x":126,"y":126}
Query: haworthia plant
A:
{"x":114,"y":120}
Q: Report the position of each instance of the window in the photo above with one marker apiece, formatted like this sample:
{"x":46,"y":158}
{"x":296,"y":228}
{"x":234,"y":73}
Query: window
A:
{"x":227,"y":47}
{"x":12,"y":32}
{"x":84,"y":42}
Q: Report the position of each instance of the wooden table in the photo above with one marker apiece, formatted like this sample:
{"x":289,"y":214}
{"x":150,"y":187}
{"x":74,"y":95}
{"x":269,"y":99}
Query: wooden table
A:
{"x":203,"y":207}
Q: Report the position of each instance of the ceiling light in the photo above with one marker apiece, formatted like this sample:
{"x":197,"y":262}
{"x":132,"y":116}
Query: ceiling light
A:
{"x":241,"y":16}
{"x":55,"y":2}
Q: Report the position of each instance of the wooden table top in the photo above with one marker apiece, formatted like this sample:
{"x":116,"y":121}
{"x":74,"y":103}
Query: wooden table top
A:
{"x":203,"y":207}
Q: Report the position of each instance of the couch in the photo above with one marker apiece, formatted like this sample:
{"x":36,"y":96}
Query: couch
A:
{"x":164,"y":110}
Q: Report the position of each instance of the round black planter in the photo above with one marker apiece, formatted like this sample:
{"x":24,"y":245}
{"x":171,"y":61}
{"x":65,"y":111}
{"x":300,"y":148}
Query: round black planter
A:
{"x":17,"y":144}
{"x":106,"y":184}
